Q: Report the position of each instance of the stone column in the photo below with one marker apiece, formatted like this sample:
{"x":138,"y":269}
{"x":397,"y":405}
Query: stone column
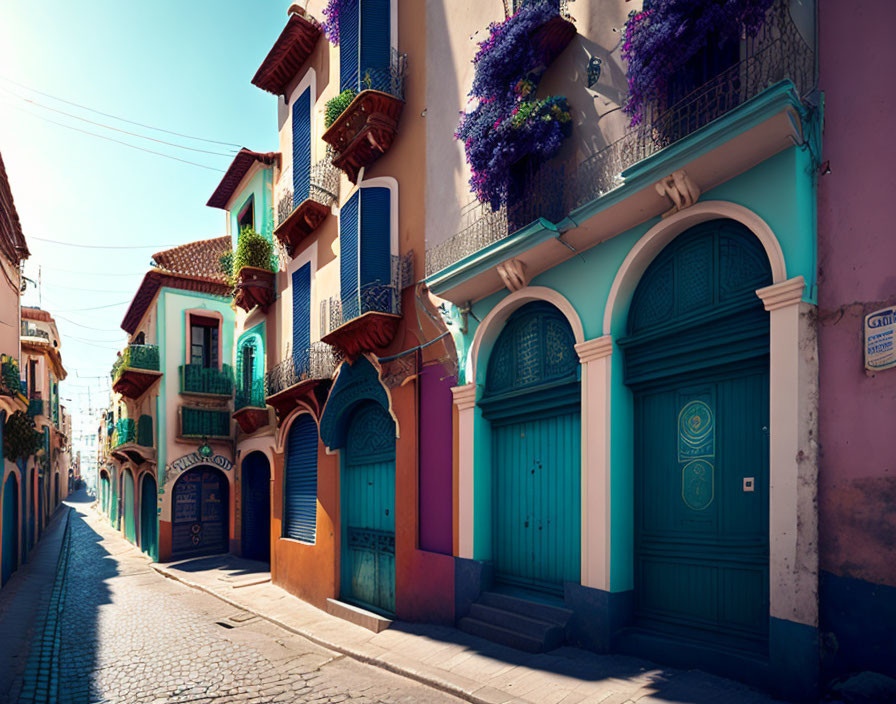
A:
{"x":595,"y":357}
{"x":465,"y":400}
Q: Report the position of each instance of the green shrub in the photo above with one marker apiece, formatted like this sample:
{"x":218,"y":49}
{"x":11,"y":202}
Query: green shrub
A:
{"x":336,"y":106}
{"x":253,"y":249}
{"x":225,"y":264}
{"x":10,"y":375}
{"x":20,"y":437}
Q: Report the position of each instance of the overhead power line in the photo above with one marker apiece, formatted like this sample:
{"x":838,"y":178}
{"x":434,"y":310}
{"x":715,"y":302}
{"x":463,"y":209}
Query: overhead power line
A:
{"x":79,"y":310}
{"x":115,"y":117}
{"x":103,"y":246}
{"x":87,"y":327}
{"x":116,"y":129}
{"x":117,"y":141}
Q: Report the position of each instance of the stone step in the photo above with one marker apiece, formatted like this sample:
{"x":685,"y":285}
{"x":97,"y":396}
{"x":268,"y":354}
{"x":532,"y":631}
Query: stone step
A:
{"x":530,"y":609}
{"x":503,"y":636}
{"x":550,"y":634}
{"x":360,"y":617}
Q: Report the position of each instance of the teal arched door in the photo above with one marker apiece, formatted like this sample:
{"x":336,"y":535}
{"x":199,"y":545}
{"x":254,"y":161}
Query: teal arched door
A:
{"x":149,"y":524}
{"x":532,"y":402}
{"x":9,"y":559}
{"x":104,"y":493}
{"x":128,"y":499}
{"x":696,"y":360}
{"x":368,"y":508}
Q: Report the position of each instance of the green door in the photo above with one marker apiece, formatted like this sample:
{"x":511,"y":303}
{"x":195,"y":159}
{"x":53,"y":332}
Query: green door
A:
{"x":368,"y":501}
{"x":149,"y":525}
{"x":696,"y":359}
{"x":127,"y":497}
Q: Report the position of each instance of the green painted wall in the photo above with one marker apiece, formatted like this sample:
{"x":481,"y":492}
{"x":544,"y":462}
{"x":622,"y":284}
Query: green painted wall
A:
{"x":261,"y":187}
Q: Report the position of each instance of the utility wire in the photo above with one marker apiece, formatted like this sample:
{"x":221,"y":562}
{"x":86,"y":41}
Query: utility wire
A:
{"x":87,"y":327}
{"x":115,"y":117}
{"x":116,"y":129}
{"x":79,"y":310}
{"x":110,"y":139}
{"x":93,"y":273}
{"x":103,"y":246}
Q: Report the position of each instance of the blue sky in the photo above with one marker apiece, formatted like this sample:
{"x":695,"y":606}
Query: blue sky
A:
{"x":182,"y":66}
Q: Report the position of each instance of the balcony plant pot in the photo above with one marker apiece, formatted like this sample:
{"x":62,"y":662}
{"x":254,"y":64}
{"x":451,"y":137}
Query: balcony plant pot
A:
{"x":254,"y":287}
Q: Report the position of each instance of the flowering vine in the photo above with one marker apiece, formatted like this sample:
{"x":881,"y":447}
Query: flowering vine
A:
{"x":331,"y":19}
{"x":661,"y":39}
{"x":509,"y":123}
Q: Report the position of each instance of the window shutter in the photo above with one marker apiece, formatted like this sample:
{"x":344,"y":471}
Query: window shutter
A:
{"x":349,"y":30}
{"x":301,"y":147}
{"x":300,"y":486}
{"x":301,"y":317}
{"x":348,"y":257}
{"x":375,"y":44}
{"x":376,"y":254}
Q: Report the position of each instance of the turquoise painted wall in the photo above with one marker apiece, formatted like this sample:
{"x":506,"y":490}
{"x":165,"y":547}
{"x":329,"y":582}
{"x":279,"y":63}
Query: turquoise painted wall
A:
{"x":781,"y":191}
{"x":261,"y":187}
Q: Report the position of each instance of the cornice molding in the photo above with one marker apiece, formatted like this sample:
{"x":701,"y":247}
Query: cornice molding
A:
{"x":597,"y":348}
{"x":785,"y":293}
{"x":464,"y":396}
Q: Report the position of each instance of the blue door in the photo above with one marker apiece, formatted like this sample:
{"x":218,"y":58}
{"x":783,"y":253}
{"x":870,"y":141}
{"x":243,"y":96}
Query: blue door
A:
{"x":10,"y":546}
{"x":149,"y":524}
{"x":368,"y":508}
{"x":696,"y":359}
{"x":256,"y":533}
{"x":532,"y":402}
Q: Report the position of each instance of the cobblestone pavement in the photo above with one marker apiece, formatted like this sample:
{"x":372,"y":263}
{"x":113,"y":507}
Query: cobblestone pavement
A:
{"x":127,"y":634}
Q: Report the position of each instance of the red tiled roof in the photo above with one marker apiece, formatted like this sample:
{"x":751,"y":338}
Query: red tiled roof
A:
{"x":12,"y":241}
{"x":238,"y":168}
{"x":192,"y":267}
{"x":36,"y":314}
{"x":290,"y":51}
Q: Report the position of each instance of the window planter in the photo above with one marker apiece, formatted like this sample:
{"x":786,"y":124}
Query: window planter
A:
{"x":368,"y":126}
{"x":254,"y":287}
{"x":135,"y":370}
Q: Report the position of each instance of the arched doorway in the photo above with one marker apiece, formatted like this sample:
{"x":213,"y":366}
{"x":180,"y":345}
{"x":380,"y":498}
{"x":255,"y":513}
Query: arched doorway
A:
{"x":56,"y":490}
{"x":532,"y":402}
{"x":696,"y":361}
{"x":104,"y":493}
{"x":256,"y":524}
{"x":149,"y":524}
{"x":30,"y":490}
{"x":40,"y":505}
{"x":128,"y":503}
{"x":200,"y":520}
{"x":368,"y":508}
{"x":10,"y":546}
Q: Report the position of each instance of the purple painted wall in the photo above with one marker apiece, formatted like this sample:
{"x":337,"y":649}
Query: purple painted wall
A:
{"x":857,"y":274}
{"x":435,"y":459}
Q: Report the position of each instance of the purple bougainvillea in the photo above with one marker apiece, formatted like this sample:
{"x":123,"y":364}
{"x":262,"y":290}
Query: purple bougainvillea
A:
{"x":331,"y":19}
{"x":666,"y":34}
{"x":509,"y":123}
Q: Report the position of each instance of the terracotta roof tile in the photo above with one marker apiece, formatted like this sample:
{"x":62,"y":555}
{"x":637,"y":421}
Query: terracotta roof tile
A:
{"x":238,"y":168}
{"x":36,"y":314}
{"x":289,"y":53}
{"x":196,"y":259}
{"x":12,"y":241}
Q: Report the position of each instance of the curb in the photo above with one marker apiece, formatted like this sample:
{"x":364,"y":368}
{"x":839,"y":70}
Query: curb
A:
{"x":392,"y":664}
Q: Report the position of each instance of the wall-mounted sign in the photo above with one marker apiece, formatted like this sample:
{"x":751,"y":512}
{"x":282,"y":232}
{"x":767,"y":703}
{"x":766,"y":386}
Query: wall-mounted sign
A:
{"x":880,"y":339}
{"x":182,"y":463}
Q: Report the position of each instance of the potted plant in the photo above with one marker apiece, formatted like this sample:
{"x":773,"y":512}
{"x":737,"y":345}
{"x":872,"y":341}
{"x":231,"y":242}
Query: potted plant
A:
{"x":253,"y":267}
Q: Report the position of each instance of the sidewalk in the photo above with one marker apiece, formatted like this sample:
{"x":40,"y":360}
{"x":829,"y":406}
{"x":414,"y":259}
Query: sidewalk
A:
{"x":24,"y":600}
{"x":447,"y":659}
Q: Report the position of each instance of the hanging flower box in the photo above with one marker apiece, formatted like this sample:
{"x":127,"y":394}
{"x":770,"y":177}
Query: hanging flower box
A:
{"x":254,"y":287}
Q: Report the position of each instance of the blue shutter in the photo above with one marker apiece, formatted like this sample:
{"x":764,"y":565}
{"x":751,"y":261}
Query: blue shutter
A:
{"x":376,"y":254}
{"x":375,"y":44}
{"x":300,"y":485}
{"x":349,"y":22}
{"x":301,"y":317}
{"x":348,"y":257}
{"x":301,"y":147}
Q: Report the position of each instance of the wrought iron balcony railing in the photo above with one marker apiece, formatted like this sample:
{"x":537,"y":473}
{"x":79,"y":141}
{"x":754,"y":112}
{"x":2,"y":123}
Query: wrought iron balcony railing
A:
{"x":249,"y":395}
{"x":776,"y":53}
{"x":136,"y":357}
{"x":125,"y":431}
{"x":29,"y":329}
{"x":316,"y":362}
{"x":512,"y":6}
{"x":324,"y":189}
{"x":196,"y":379}
{"x":389,"y":79}
{"x":204,"y":423}
{"x":375,"y":297}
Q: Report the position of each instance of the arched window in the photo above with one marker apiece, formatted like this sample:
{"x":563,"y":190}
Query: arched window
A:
{"x":300,"y":481}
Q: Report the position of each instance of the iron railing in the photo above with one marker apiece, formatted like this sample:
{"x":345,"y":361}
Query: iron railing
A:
{"x":29,"y":329}
{"x":204,"y":423}
{"x":136,"y":357}
{"x":375,"y":297}
{"x":512,"y":6}
{"x":388,"y":79}
{"x":125,"y":431}
{"x":196,"y":379}
{"x":316,"y":362}
{"x":323,"y":189}
{"x":249,"y":395}
{"x":552,"y":191}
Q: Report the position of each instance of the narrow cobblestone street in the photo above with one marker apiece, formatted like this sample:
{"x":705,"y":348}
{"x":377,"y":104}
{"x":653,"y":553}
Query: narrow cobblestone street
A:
{"x":127,"y":634}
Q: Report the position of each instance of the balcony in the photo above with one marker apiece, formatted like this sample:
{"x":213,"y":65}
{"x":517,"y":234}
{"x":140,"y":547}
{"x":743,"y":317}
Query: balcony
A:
{"x":254,"y":287}
{"x":12,"y":387}
{"x":296,"y":221}
{"x":368,"y":320}
{"x":367,"y":127}
{"x":125,"y":432}
{"x":206,"y":381}
{"x":249,"y":406}
{"x":30,"y":329}
{"x":204,"y":423}
{"x":35,"y":405}
{"x":297,"y":376}
{"x":556,"y":190}
{"x":135,"y":370}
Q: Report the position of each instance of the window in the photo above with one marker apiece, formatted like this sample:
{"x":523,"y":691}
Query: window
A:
{"x":32,"y":378}
{"x":246,"y":216}
{"x":365,"y":255}
{"x":248,"y":365}
{"x":140,"y":339}
{"x":301,"y":147}
{"x":365,"y":44}
{"x":204,"y":342}
{"x":300,"y":481}
{"x":301,"y":317}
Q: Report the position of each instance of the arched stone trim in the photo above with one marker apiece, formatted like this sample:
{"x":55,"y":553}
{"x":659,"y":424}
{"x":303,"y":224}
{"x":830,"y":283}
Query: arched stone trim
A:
{"x":354,"y":383}
{"x":657,"y":237}
{"x":493,"y":323}
{"x":283,"y":432}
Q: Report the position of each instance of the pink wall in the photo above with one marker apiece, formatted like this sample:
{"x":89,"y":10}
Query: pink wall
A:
{"x":856,"y":255}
